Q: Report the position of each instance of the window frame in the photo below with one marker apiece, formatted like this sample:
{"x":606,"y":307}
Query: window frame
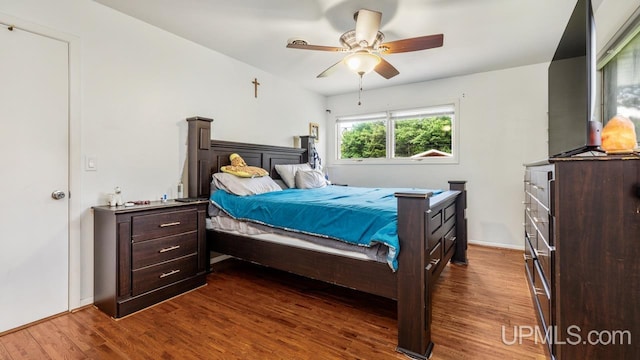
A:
{"x":616,"y":44}
{"x":389,"y":117}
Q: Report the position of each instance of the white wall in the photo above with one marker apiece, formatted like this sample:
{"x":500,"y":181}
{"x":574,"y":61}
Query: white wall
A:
{"x":503,"y":121}
{"x":137,"y":86}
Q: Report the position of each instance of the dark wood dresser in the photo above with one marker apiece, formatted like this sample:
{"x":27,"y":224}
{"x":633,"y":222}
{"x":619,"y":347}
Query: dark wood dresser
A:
{"x":144,"y":254}
{"x":582,"y":255}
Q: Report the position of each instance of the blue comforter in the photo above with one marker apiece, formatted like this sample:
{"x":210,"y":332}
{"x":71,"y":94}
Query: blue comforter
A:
{"x":360,"y":216}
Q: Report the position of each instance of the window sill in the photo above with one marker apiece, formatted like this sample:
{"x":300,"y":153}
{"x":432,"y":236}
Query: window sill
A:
{"x":421,"y":161}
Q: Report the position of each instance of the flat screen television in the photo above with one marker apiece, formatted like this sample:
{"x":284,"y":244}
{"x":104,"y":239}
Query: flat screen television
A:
{"x":572,"y":87}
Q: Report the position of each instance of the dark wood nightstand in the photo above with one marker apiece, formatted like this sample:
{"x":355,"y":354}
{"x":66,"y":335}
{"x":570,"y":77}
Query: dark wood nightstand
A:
{"x":145,"y":254}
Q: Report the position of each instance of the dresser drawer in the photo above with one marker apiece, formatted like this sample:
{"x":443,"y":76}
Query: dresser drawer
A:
{"x":545,"y":256}
{"x":542,"y":221}
{"x":540,"y":185}
{"x":530,"y":230}
{"x":146,"y":253}
{"x":529,"y":255}
{"x":153,"y":277}
{"x":543,"y":301}
{"x":163,"y":224}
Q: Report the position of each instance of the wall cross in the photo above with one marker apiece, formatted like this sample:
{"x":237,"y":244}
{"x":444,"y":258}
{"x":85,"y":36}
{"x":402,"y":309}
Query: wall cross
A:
{"x":255,"y":86}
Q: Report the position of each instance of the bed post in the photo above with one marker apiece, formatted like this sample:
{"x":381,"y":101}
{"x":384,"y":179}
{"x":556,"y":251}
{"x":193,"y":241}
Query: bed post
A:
{"x":414,"y":298}
{"x":460,"y":256}
{"x":198,"y":147}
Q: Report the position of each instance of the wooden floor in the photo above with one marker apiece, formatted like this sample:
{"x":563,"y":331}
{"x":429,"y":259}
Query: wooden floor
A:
{"x":248,"y":312}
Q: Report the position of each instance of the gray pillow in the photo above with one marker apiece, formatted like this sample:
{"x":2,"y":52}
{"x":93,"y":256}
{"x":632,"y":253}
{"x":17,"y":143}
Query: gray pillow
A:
{"x":281,"y":183}
{"x":244,"y":186}
{"x":310,"y":179}
{"x":288,"y":172}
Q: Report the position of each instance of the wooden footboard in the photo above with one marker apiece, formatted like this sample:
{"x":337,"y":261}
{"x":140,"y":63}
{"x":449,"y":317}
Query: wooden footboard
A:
{"x":430,"y":235}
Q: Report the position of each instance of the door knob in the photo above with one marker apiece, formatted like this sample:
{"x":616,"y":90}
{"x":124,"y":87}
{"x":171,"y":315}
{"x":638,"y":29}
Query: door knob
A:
{"x":57,"y":195}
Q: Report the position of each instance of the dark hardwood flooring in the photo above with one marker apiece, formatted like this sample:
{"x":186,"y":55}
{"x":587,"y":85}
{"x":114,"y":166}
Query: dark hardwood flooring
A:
{"x":249,"y":312}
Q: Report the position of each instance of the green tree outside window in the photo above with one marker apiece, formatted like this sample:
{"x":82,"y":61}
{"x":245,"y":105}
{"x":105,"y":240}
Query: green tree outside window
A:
{"x":413,"y":136}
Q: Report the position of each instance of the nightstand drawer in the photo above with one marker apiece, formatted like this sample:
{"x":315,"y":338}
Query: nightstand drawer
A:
{"x":153,"y":277}
{"x":152,"y":252}
{"x":163,"y":224}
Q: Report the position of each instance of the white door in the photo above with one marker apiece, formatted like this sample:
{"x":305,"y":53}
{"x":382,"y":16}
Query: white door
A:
{"x":34,"y":146}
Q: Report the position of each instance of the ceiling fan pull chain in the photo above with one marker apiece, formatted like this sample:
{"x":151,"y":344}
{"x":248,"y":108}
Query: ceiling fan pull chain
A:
{"x":360,"y":92}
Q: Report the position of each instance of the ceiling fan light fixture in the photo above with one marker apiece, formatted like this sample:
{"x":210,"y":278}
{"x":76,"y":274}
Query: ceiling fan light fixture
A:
{"x":362,"y":62}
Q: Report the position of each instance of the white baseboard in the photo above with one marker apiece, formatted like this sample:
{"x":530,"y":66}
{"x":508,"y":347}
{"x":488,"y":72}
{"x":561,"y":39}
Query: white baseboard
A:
{"x":82,"y":303}
{"x":497,"y":245}
{"x":85,"y":302}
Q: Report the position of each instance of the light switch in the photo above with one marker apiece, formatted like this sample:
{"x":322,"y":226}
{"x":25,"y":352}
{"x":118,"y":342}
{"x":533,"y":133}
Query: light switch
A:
{"x":91,"y":163}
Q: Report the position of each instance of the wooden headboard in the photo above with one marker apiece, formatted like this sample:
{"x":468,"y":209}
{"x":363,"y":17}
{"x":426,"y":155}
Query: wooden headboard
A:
{"x":206,"y":156}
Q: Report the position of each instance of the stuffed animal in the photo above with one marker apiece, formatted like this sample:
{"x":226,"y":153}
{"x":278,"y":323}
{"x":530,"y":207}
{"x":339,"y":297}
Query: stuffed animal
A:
{"x":619,"y":135}
{"x":240,"y":168}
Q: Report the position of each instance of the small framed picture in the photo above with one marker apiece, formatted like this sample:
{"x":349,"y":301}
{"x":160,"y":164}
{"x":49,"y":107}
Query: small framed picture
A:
{"x":314,"y":131}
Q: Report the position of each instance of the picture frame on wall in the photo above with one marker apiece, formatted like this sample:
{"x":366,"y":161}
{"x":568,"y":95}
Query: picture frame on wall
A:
{"x":314,"y":130}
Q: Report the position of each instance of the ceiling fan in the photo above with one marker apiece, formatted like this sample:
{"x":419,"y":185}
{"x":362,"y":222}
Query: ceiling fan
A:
{"x":365,"y":43}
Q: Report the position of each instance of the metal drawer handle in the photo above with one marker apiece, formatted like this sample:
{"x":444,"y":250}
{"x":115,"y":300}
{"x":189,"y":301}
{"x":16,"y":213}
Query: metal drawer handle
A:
{"x":172,"y":272}
{"x":539,"y":291}
{"x":169,"y":248}
{"x":540,"y":253}
{"x":541,"y":221}
{"x":170,"y":224}
{"x":527,"y":257}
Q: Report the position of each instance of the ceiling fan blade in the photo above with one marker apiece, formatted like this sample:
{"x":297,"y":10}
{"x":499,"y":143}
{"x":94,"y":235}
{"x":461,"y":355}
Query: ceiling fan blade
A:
{"x":367,"y":25}
{"x":414,"y":44}
{"x":385,"y":69}
{"x":330,"y":70}
{"x":313,"y":47}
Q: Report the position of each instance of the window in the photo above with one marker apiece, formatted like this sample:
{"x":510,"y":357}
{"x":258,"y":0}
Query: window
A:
{"x":412,"y":135}
{"x":621,"y":77}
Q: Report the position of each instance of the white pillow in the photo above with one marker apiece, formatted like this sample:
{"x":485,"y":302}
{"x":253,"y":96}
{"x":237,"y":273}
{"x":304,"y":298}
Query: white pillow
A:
{"x":244,"y":186}
{"x":288,"y":172}
{"x":310,"y":179}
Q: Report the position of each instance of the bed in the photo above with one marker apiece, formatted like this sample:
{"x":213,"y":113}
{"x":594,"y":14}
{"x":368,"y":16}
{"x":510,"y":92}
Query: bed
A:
{"x":431,"y":230}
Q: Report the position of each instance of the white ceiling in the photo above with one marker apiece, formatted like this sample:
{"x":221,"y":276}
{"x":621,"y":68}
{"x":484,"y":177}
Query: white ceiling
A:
{"x":479,"y":35}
